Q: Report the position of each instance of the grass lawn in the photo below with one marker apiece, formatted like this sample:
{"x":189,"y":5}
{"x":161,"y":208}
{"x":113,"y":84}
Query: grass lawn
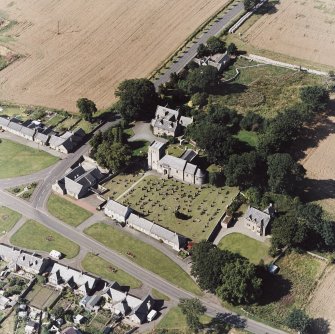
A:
{"x":8,"y":218}
{"x":265,"y":90}
{"x":158,"y":295}
{"x":120,"y":183}
{"x":18,"y":160}
{"x":35,"y":236}
{"x":202,"y":207}
{"x":55,"y":120}
{"x":248,"y":137}
{"x":145,"y":255}
{"x":14,"y":111}
{"x":250,"y":248}
{"x":86,"y":126}
{"x":68,"y":123}
{"x":66,"y":211}
{"x":175,"y":150}
{"x":290,"y":288}
{"x":175,"y":322}
{"x":100,"y":267}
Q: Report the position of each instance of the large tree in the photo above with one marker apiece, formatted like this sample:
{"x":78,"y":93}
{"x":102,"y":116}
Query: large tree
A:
{"x":215,"y":45}
{"x":137,"y":99}
{"x":193,"y":309}
{"x":299,"y":321}
{"x":284,"y":173}
{"x":240,"y":282}
{"x":249,"y":4}
{"x":113,"y":156}
{"x":87,"y":108}
{"x":315,"y":97}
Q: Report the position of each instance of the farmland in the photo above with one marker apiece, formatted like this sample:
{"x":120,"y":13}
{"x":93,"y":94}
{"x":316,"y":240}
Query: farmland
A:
{"x":298,"y":29}
{"x":113,"y":40}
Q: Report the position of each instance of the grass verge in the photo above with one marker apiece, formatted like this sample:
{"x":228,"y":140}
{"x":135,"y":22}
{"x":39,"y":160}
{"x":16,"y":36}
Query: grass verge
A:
{"x":100,"y":267}
{"x":66,"y":211}
{"x":35,"y":236}
{"x":144,"y":255}
{"x":8,"y":218}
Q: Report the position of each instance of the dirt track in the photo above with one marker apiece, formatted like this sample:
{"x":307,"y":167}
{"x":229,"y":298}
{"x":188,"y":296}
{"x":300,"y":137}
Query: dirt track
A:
{"x":303,"y":29}
{"x":100,"y":44}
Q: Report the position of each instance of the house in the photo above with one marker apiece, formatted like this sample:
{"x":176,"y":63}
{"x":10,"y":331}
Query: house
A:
{"x":31,"y":327}
{"x":27,"y":133}
{"x":81,"y":179}
{"x":18,"y":259}
{"x":140,"y":313}
{"x":168,"y":122}
{"x":226,"y":220}
{"x":157,"y":232}
{"x":219,"y":61}
{"x":67,"y":142}
{"x":75,"y":279}
{"x":3,"y":302}
{"x":4,"y":122}
{"x":15,"y":126}
{"x":90,"y":303}
{"x":79,"y":319}
{"x":257,"y":220}
{"x":117,"y":211}
{"x":71,"y":330}
{"x":172,"y":167}
{"x":41,"y":138}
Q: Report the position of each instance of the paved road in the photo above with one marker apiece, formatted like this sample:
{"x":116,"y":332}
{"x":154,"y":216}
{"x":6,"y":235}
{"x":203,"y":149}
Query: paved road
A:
{"x":215,"y":29}
{"x":153,"y":280}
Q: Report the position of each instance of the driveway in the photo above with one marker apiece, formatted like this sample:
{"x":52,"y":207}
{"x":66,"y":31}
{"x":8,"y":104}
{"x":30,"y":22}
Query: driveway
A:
{"x":142,"y":131}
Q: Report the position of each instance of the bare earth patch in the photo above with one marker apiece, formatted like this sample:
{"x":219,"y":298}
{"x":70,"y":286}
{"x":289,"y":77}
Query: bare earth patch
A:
{"x":99,"y":44}
{"x":322,"y":305}
{"x":302,"y":29}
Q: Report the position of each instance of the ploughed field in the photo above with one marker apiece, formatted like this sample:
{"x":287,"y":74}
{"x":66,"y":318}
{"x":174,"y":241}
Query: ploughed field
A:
{"x":99,"y":44}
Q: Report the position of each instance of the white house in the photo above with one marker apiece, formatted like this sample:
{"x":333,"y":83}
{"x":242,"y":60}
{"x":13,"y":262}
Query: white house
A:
{"x":117,"y":211}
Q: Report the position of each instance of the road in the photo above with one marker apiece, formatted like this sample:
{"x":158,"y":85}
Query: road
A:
{"x":190,"y":53}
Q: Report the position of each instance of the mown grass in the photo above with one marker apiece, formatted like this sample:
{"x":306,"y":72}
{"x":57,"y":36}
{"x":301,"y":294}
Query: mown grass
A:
{"x":248,"y":137}
{"x":158,"y":295}
{"x":8,"y":218}
{"x":144,"y":255}
{"x":175,"y":322}
{"x":250,"y":248}
{"x":102,"y":268}
{"x":66,"y":211}
{"x":202,"y":207}
{"x":35,"y":236}
{"x":18,"y":160}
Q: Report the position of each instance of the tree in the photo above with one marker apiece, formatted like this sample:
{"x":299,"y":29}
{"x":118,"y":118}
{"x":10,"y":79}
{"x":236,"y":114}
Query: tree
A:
{"x":232,"y":49}
{"x":199,"y":99}
{"x":298,"y":320}
{"x":249,"y":4}
{"x":202,"y":50}
{"x":240,"y":282}
{"x":58,"y":312}
{"x":315,"y":97}
{"x":193,"y":309}
{"x":87,"y":108}
{"x":284,"y":173}
{"x":137,"y":99}
{"x":114,"y":157}
{"x":215,"y":45}
{"x":252,"y":122}
{"x":243,"y":170}
{"x":200,"y":79}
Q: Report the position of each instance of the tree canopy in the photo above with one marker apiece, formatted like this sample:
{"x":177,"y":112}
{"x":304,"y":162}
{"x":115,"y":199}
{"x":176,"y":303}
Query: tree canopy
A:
{"x":137,"y":99}
{"x":87,"y":108}
{"x":299,"y":321}
{"x":193,"y":309}
{"x":249,"y":4}
{"x":215,"y":45}
{"x":315,"y":97}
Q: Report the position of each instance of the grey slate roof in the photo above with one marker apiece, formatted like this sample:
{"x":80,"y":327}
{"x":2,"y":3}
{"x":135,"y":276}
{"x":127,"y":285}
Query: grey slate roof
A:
{"x":173,"y":162}
{"x":4,"y":121}
{"x":157,"y":144}
{"x":140,"y":222}
{"x":117,"y":208}
{"x":56,"y":141}
{"x":41,"y":137}
{"x":167,"y":113}
{"x":190,"y":169}
{"x":189,"y":155}
{"x":185,"y":121}
{"x":28,"y":131}
{"x":142,"y":310}
{"x":14,"y":126}
{"x":257,"y":216}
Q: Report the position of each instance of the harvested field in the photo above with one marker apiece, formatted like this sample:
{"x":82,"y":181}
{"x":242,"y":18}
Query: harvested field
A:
{"x":300,"y":29}
{"x":322,"y":304}
{"x":99,"y":44}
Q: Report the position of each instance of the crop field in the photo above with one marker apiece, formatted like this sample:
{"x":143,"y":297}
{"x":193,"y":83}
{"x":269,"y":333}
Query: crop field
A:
{"x":302,"y":29}
{"x":113,"y":40}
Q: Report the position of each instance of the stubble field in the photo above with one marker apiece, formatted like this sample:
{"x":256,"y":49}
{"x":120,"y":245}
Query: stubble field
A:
{"x":99,"y":44}
{"x":302,"y":29}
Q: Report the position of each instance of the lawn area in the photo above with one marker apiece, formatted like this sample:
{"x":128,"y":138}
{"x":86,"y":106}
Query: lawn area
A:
{"x":175,"y":150}
{"x":55,"y":120}
{"x":35,"y":236}
{"x":66,"y":211}
{"x":86,"y":126}
{"x":201,"y":207}
{"x":265,"y":90}
{"x":248,"y":137}
{"x":100,"y":267}
{"x":120,"y":183}
{"x":18,"y":160}
{"x":8,"y":218}
{"x":250,"y":248}
{"x":158,"y":295}
{"x":145,"y":255}
{"x":14,"y":111}
{"x":290,"y":288}
{"x":175,"y":322}
{"x":67,"y":124}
